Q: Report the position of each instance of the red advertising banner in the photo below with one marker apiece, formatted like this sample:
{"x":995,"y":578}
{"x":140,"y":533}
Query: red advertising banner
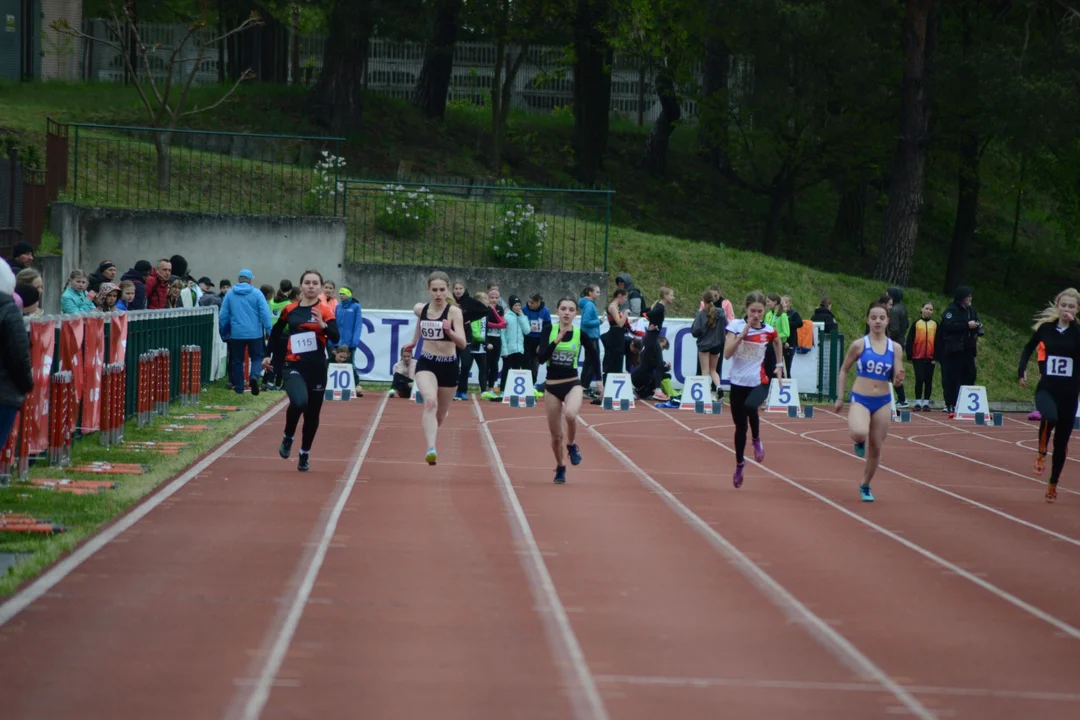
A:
{"x":71,"y":342}
{"x":93,"y":367}
{"x":42,"y":347}
{"x":118,"y":339}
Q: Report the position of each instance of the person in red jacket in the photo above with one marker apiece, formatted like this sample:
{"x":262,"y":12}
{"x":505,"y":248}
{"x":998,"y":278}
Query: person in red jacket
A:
{"x":157,"y":285}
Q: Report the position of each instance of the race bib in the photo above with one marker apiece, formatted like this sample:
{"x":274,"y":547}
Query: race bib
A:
{"x":560,"y":357}
{"x":1058,"y":366}
{"x":431,"y":329}
{"x":304,"y":342}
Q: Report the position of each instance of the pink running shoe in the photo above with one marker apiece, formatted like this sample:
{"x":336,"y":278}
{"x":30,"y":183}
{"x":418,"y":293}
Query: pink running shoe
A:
{"x":737,"y":479}
{"x":759,"y":450}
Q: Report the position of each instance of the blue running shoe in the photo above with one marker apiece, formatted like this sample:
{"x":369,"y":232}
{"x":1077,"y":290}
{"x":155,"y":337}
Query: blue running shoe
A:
{"x":575,"y":455}
{"x":860,"y":449}
{"x":560,"y":474}
{"x":867,"y":496}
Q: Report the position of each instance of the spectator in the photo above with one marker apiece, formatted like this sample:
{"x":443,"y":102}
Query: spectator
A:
{"x":172,"y":298}
{"x":75,"y":298}
{"x":244,"y":321}
{"x":635,"y":302}
{"x":106,"y":272}
{"x":897,"y":332}
{"x":956,"y":346}
{"x":16,"y":376}
{"x":127,"y":296}
{"x":108,"y":297}
{"x":179,"y":270}
{"x":795,"y":323}
{"x":350,"y":323}
{"x":22,"y":257}
{"x":137,"y":276}
{"x":30,"y":299}
{"x":823,"y":314}
{"x":157,"y":285}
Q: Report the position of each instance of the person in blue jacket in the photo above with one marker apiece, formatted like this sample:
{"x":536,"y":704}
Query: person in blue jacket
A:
{"x":590,"y":328}
{"x":350,"y":323}
{"x":244,"y":321}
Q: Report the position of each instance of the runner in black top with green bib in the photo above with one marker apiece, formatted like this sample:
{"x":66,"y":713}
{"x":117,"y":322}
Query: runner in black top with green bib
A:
{"x":562,"y":390}
{"x":1056,"y":395}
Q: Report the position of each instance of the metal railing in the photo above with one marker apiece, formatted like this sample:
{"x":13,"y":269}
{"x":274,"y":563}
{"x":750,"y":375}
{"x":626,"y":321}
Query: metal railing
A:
{"x":198,"y":170}
{"x":498,"y":225}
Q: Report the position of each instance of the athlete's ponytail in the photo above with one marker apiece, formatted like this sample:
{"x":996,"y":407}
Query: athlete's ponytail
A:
{"x":1051,"y":314}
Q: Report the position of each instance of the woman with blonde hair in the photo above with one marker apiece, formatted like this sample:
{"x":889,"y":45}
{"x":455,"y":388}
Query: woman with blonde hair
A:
{"x":1056,"y":394}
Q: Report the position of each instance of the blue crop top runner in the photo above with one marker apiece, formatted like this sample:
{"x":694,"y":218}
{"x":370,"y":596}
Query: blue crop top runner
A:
{"x":874,"y":366}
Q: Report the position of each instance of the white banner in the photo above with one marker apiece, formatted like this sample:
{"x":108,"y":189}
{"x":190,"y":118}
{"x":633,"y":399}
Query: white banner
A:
{"x":385,"y":331}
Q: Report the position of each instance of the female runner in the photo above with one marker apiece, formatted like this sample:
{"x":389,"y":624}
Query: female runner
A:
{"x":562,"y":390}
{"x":878,"y":362}
{"x":1056,"y":394}
{"x":309,"y":326}
{"x":443,"y":330}
{"x":747,"y":339}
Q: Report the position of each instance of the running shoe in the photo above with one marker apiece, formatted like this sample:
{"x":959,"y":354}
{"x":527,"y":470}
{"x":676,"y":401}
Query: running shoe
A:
{"x":305,"y":462}
{"x":286,"y":447}
{"x":461,"y":396}
{"x":759,"y":449}
{"x":560,"y":474}
{"x":575,"y":455}
{"x":431,"y":456}
{"x":867,"y":496}
{"x":254,"y":386}
{"x":1051,"y":492}
{"x":489,"y":395}
{"x":1040,"y":463}
{"x":737,"y":479}
{"x":860,"y":449}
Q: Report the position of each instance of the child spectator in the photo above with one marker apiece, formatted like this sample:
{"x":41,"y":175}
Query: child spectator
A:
{"x":404,"y":372}
{"x":128,"y":292}
{"x":513,"y":337}
{"x":108,"y":296}
{"x":75,"y":298}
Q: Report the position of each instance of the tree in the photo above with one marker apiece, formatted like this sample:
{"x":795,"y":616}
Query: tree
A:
{"x":336,"y":100}
{"x":922,"y":20}
{"x":592,"y":86}
{"x":433,"y":83}
{"x":156,"y":85}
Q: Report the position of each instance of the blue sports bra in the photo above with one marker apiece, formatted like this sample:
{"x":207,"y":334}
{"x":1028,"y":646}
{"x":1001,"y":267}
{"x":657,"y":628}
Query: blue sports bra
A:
{"x":873,"y":366}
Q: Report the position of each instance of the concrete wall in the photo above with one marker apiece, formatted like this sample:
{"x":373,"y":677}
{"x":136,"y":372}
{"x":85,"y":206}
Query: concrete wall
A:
{"x":52,"y":281}
{"x":217,"y":246}
{"x":402,"y":286}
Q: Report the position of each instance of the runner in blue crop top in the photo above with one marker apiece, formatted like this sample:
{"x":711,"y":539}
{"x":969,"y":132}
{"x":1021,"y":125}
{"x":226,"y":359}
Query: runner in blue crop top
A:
{"x":878,"y":361}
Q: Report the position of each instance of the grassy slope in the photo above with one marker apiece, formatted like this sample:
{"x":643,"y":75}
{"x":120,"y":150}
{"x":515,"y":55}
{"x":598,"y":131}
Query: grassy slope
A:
{"x":84,"y":514}
{"x":689,"y":247}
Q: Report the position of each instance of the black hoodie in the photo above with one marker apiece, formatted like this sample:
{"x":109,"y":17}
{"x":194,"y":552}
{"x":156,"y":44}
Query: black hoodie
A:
{"x":137,"y":278}
{"x":16,"y":377}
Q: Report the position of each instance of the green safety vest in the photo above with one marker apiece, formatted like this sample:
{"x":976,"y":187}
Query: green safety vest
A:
{"x":565,"y":353}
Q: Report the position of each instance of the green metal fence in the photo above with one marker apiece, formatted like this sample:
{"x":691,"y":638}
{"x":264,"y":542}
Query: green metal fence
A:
{"x":202,"y":171}
{"x":831,"y":350}
{"x":497,"y":225}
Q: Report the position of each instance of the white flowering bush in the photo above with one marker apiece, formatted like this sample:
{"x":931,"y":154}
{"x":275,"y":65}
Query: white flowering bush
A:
{"x":403,"y":211}
{"x":324,"y":186}
{"x":517,"y":236}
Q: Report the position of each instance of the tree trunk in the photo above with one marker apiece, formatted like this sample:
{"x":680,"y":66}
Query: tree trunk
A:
{"x":592,"y":87}
{"x":904,"y":208}
{"x":336,"y":100}
{"x":1016,"y":216}
{"x":781,"y":194}
{"x":967,"y":210}
{"x":656,"y":145}
{"x":161,"y":146}
{"x":294,"y":45}
{"x":850,"y":224}
{"x":713,"y":111}
{"x":433,"y":84}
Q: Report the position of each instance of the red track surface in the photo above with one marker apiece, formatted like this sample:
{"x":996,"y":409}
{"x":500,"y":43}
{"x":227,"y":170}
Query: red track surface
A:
{"x":647,"y":587}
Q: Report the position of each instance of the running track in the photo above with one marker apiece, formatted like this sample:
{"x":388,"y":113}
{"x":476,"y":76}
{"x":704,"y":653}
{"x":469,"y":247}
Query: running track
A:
{"x":647,"y":587}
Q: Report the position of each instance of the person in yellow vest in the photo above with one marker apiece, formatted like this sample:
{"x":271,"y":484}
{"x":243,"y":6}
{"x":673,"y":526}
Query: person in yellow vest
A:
{"x":562,"y":388}
{"x":920,"y":350}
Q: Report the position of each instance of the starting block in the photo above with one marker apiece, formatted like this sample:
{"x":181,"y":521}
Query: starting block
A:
{"x":797,"y":411}
{"x":526,"y":401}
{"x":702,"y":407}
{"x":332,"y":395}
{"x":610,"y":404}
{"x":417,"y":397}
{"x":995,"y":419}
{"x":903,"y":416}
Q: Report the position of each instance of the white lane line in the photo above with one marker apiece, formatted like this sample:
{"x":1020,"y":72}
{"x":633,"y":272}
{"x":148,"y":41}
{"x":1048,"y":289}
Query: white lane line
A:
{"x":260,"y":692}
{"x":777,"y":594}
{"x":989,"y":587}
{"x":584,"y":695}
{"x":709,"y":682}
{"x":20,"y":600}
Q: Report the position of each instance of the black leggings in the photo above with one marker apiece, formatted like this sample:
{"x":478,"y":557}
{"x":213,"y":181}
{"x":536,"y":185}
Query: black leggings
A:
{"x":742,"y":415}
{"x":1058,"y":411}
{"x":924,"y":379}
{"x":305,"y":387}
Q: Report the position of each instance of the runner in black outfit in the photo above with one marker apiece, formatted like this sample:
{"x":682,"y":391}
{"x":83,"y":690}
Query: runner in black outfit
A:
{"x":309,"y":326}
{"x":1058,"y":388}
{"x":562,"y":389}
